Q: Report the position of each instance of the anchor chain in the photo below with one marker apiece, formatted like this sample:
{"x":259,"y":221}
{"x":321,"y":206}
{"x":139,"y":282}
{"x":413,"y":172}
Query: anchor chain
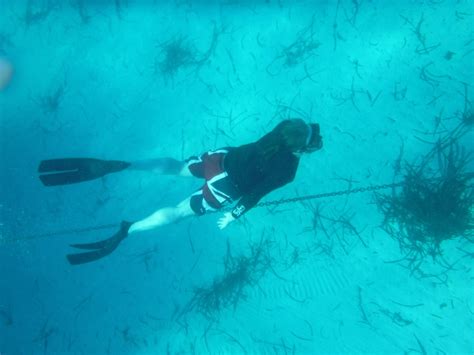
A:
{"x":330,"y":194}
{"x":260,"y":204}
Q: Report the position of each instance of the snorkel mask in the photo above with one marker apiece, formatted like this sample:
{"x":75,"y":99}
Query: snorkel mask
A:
{"x":314,"y":141}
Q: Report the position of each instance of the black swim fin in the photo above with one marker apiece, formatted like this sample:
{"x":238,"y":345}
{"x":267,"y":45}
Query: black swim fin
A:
{"x":102,"y":248}
{"x":66,"y":171}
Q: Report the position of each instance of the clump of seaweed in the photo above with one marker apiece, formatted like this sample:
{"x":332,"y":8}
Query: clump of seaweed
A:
{"x":226,"y":291}
{"x":179,"y":53}
{"x":467,"y":115}
{"x":37,"y":11}
{"x":80,"y":7}
{"x":297,"y":52}
{"x":433,"y":206}
{"x":50,"y":103}
{"x":335,"y":229}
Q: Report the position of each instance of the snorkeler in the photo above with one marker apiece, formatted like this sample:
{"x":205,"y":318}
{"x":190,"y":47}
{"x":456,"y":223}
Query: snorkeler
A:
{"x":241,"y":174}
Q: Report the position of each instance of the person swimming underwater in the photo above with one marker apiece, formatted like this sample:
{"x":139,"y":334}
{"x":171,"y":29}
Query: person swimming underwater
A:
{"x":240,"y":175}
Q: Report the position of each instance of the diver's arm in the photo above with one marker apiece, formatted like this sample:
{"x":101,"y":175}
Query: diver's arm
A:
{"x":225,"y":220}
{"x":248,"y":201}
{"x":278,"y":178}
{"x":245,"y":204}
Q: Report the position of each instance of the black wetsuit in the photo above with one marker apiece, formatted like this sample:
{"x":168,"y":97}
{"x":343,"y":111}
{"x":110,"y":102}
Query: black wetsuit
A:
{"x":255,"y":173}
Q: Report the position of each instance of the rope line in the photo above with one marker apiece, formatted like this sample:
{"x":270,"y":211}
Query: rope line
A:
{"x":260,"y":204}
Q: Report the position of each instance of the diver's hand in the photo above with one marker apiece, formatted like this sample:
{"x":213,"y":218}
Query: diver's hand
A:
{"x":225,"y":220}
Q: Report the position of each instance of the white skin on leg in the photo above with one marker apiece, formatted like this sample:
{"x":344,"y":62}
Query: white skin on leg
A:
{"x":185,"y":171}
{"x":163,"y":216}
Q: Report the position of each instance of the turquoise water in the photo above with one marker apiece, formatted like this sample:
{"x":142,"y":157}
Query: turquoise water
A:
{"x":137,"y":80}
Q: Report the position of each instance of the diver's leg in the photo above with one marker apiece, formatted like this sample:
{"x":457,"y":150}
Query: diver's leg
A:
{"x":163,"y":216}
{"x":167,"y":166}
